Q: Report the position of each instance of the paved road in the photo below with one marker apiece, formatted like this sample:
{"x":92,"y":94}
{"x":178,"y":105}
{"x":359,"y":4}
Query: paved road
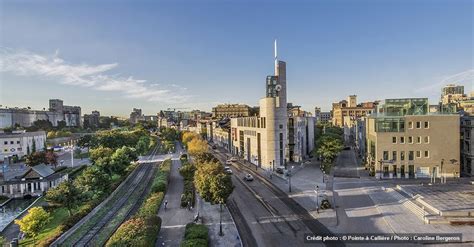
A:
{"x":271,"y":217}
{"x":346,"y":165}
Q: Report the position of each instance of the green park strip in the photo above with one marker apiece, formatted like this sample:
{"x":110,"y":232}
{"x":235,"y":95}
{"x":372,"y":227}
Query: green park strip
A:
{"x":143,"y":227}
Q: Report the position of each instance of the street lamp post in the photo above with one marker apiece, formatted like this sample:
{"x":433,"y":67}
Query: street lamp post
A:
{"x":442,"y":175}
{"x":220,"y":220}
{"x":317,"y":198}
{"x":72,"y":155}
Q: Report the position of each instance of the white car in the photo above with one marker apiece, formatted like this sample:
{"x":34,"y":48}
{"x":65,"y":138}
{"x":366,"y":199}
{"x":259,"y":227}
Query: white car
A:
{"x":228,"y":170}
{"x":248,"y":177}
{"x":228,"y":162}
{"x":233,"y":159}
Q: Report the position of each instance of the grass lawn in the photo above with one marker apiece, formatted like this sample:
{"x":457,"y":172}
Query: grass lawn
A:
{"x":58,"y":216}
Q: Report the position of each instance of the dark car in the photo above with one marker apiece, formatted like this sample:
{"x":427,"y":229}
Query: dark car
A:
{"x":280,"y":170}
{"x":214,"y":147}
{"x":347,"y":148}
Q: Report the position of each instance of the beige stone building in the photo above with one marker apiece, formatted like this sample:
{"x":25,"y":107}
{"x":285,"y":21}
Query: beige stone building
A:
{"x":404,"y":140}
{"x":231,"y":110}
{"x":347,"y":111}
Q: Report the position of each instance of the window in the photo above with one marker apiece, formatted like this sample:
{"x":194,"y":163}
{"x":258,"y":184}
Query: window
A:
{"x":385,"y":155}
{"x":5,"y":142}
{"x":411,"y":155}
{"x":427,"y":125}
{"x":418,"y":154}
{"x":17,"y":142}
{"x":11,"y":142}
{"x":410,"y":139}
{"x":418,"y":125}
{"x":410,"y":125}
{"x":394,"y":139}
{"x":5,"y":150}
{"x":418,"y":139}
{"x":402,"y":139}
{"x":427,"y":139}
{"x":402,"y":155}
{"x":427,"y":154}
{"x":394,"y":155}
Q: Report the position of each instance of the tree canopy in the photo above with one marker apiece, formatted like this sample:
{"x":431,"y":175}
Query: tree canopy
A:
{"x":33,"y":222}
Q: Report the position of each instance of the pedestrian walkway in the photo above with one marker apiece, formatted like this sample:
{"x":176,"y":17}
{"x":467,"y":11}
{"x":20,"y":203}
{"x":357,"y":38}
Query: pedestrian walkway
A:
{"x":210,"y":216}
{"x":174,"y":218}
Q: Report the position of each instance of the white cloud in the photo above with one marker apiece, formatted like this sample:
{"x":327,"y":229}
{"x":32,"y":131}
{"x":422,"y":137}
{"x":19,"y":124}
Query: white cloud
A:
{"x":93,"y":76}
{"x":464,"y":78}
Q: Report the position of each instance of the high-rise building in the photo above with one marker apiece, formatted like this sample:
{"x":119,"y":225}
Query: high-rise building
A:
{"x":405,"y":140}
{"x":263,"y":139}
{"x":136,"y":116}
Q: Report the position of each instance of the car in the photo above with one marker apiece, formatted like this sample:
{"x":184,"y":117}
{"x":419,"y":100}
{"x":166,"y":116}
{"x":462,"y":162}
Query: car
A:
{"x":280,"y":170}
{"x":228,"y":162}
{"x":347,"y":148}
{"x":226,"y":167}
{"x":233,"y":159}
{"x":214,"y":147}
{"x":248,"y":177}
{"x":228,"y":170}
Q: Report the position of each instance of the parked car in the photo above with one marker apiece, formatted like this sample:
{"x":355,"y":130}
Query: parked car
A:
{"x":347,"y":148}
{"x":233,"y":159}
{"x":280,"y":170}
{"x":248,"y":177}
{"x":228,"y":162}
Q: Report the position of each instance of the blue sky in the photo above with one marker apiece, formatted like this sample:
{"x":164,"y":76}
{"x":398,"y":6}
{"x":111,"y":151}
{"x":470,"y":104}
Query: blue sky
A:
{"x":116,"y":55}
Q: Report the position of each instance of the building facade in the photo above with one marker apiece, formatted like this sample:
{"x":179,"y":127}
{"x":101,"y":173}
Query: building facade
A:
{"x":136,"y":116}
{"x":346,"y":112}
{"x":25,"y":117}
{"x":404,"y":140}
{"x":18,"y":143}
{"x":231,"y":110}
{"x":264,"y":140}
{"x":467,"y":146}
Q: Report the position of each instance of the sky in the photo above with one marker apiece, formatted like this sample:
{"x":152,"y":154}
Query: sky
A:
{"x":113,"y":56}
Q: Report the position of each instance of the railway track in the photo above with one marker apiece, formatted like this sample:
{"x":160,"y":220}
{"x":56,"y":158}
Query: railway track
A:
{"x":93,"y":232}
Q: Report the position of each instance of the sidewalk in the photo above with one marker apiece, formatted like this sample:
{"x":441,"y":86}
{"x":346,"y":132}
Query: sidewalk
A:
{"x":209,"y":215}
{"x":174,"y":218}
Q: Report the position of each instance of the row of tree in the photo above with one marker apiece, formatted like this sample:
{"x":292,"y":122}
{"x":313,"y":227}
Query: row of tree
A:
{"x":329,"y":143}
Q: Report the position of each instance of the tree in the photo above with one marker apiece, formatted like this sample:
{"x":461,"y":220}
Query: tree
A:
{"x":65,"y":195}
{"x":51,"y":158}
{"x":329,"y":147}
{"x":87,"y":141}
{"x":142,"y":145}
{"x":100,"y":152}
{"x":120,"y":160}
{"x":77,"y":153}
{"x":220,"y":187}
{"x":188,"y":136}
{"x":33,"y":146}
{"x":93,"y":181}
{"x":197,"y":146}
{"x":33,"y":222}
{"x":203,"y":178}
{"x":36,"y":158}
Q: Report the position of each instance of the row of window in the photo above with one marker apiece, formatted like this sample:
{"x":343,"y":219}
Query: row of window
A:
{"x":6,"y":150}
{"x":426,"y":125}
{"x":253,"y":122}
{"x":426,"y":139}
{"x":411,"y":155}
{"x":11,"y":142}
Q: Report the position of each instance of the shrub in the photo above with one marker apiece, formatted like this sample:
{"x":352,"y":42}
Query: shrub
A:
{"x":139,"y":231}
{"x":151,"y":206}
{"x":161,"y":180}
{"x":195,"y":235}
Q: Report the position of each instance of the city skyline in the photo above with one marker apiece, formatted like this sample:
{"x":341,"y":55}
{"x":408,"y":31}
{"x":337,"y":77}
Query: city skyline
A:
{"x":410,"y":52}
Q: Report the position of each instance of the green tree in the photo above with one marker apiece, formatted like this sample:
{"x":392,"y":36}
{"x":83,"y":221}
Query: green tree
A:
{"x":99,"y":152}
{"x":66,"y":195}
{"x":93,"y":182}
{"x":120,"y":160}
{"x":33,"y":146}
{"x":36,"y":158}
{"x":33,"y":222}
{"x":203,"y":178}
{"x":87,"y":141}
{"x":328,"y":148}
{"x":220,"y":187}
{"x":142,"y":145}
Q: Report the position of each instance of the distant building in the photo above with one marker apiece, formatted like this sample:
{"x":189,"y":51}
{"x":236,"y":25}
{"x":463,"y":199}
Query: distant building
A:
{"x":345,"y":112}
{"x":453,"y":99}
{"x":92,"y":120}
{"x":35,"y":181}
{"x":19,"y":142}
{"x":136,"y":116}
{"x":231,"y":110}
{"x":467,"y":145}
{"x":25,"y":117}
{"x":404,"y":140}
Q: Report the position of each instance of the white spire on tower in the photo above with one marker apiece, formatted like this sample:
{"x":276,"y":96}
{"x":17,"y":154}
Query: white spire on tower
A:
{"x":276,"y":57}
